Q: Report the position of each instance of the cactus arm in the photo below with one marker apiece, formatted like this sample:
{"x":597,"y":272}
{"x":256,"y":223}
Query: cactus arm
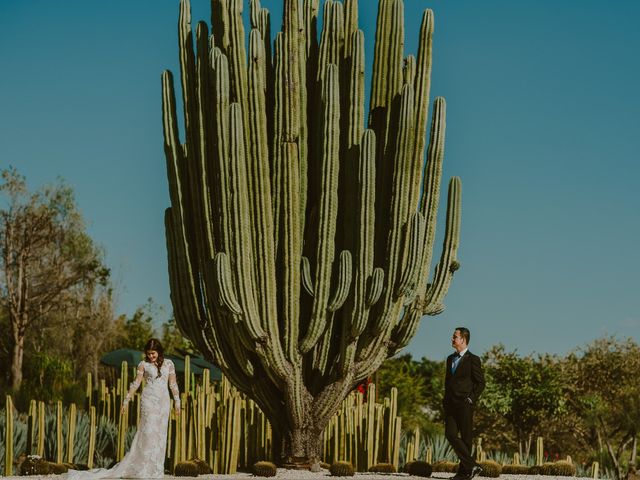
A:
{"x":343,"y":282}
{"x":241,"y":225}
{"x":409,"y":72}
{"x":380,"y":56}
{"x":237,"y":57}
{"x":422,"y":90}
{"x":448,"y":261}
{"x":350,"y":18}
{"x":414,"y":243}
{"x":221,"y":158}
{"x":376,"y":285}
{"x":263,"y":233}
{"x":224,"y":284}
{"x":366,"y":232}
{"x":203,"y":88}
{"x":292,"y":251}
{"x":431,"y":187}
{"x":307,"y":283}
{"x":328,"y":209}
{"x":356,"y":89}
{"x":277,"y":167}
{"x":399,"y":208}
{"x":220,"y":24}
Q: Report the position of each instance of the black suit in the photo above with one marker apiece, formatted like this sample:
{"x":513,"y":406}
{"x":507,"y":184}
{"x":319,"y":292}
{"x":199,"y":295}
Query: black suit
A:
{"x":461,"y":392}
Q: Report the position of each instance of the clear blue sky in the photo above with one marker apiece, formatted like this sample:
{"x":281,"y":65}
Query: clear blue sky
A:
{"x":542,"y":126}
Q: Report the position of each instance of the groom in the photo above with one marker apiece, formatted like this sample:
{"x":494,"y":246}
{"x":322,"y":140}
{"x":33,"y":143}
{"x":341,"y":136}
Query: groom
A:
{"x":464,"y":383}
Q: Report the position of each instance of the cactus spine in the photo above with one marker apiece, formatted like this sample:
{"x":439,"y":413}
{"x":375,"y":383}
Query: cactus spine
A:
{"x":300,"y":235}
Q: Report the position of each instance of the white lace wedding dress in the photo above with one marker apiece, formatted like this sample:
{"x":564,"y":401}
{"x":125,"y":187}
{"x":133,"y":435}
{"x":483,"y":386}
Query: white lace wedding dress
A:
{"x":145,"y":458}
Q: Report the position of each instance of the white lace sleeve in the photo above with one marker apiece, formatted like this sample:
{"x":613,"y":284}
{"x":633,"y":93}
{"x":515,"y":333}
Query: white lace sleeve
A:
{"x":135,"y":384}
{"x":173,"y":384}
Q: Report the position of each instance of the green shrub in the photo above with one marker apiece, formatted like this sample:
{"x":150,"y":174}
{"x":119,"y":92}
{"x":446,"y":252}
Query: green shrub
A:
{"x":490,"y":469}
{"x":383,"y":468}
{"x":185,"y":469}
{"x":419,"y":468}
{"x":325,"y":465}
{"x":342,"y":469}
{"x":264,"y":469}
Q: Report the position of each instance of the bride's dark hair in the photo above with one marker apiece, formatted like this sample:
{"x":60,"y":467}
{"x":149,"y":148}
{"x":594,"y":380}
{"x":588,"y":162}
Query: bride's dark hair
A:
{"x":155,"y":345}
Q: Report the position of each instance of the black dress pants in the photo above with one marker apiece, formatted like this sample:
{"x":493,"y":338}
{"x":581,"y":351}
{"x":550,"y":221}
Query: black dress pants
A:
{"x":458,"y":428}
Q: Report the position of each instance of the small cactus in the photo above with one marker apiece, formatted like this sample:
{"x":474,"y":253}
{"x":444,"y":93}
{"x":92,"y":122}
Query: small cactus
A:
{"x":535,"y":470}
{"x":419,"y":468}
{"x":342,"y":469}
{"x":34,"y":465}
{"x":445,"y":466}
{"x":383,"y":468}
{"x":490,"y":468}
{"x":561,"y":468}
{"x":264,"y":469}
{"x":203,"y":467}
{"x":515,"y":469}
{"x":186,"y":469}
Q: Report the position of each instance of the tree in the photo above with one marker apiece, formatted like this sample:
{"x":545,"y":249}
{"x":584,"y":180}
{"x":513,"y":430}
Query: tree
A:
{"x":522,"y":390}
{"x":44,"y":253}
{"x":300,"y":244}
{"x":136,"y":330}
{"x":415,"y":397}
{"x":604,"y":397}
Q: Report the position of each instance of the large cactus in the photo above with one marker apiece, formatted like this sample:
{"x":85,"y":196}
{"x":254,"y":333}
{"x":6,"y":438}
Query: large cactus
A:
{"x":299,"y":241}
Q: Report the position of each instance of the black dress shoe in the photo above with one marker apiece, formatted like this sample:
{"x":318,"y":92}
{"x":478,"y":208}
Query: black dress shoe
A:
{"x":476,"y":470}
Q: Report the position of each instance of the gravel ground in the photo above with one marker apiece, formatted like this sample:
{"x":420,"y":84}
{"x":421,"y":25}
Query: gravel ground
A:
{"x":306,"y":475}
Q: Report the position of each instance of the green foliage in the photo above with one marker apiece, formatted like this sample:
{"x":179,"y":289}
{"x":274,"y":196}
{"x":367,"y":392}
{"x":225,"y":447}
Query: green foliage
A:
{"x":264,"y":469}
{"x":342,"y":469}
{"x":420,"y":390}
{"x":419,"y":469}
{"x":174,"y":341}
{"x":135,"y":330}
{"x":522,"y":390}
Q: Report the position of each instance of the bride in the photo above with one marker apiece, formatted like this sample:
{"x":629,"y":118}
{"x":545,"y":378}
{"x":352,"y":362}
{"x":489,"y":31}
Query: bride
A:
{"x":146,"y":457}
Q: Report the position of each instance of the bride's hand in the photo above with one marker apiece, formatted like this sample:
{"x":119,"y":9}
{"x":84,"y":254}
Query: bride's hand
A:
{"x":177,"y":411}
{"x":123,"y":409}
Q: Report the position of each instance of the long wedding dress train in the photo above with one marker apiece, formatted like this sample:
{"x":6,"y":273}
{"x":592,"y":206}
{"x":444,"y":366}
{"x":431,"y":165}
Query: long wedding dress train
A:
{"x":145,"y":458}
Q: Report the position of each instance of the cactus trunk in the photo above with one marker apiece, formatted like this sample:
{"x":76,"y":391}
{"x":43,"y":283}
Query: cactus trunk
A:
{"x":300,"y":236}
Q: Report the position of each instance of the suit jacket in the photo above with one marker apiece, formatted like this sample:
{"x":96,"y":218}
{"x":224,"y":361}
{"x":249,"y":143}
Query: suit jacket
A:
{"x":466,"y":382}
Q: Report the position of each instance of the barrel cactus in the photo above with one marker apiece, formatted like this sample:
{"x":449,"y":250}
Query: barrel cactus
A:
{"x":342,"y":469}
{"x":264,"y":469}
{"x":300,"y":235}
{"x":419,"y":468}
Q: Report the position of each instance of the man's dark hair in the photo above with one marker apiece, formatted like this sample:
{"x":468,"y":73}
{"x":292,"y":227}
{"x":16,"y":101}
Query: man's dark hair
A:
{"x":464,"y":333}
